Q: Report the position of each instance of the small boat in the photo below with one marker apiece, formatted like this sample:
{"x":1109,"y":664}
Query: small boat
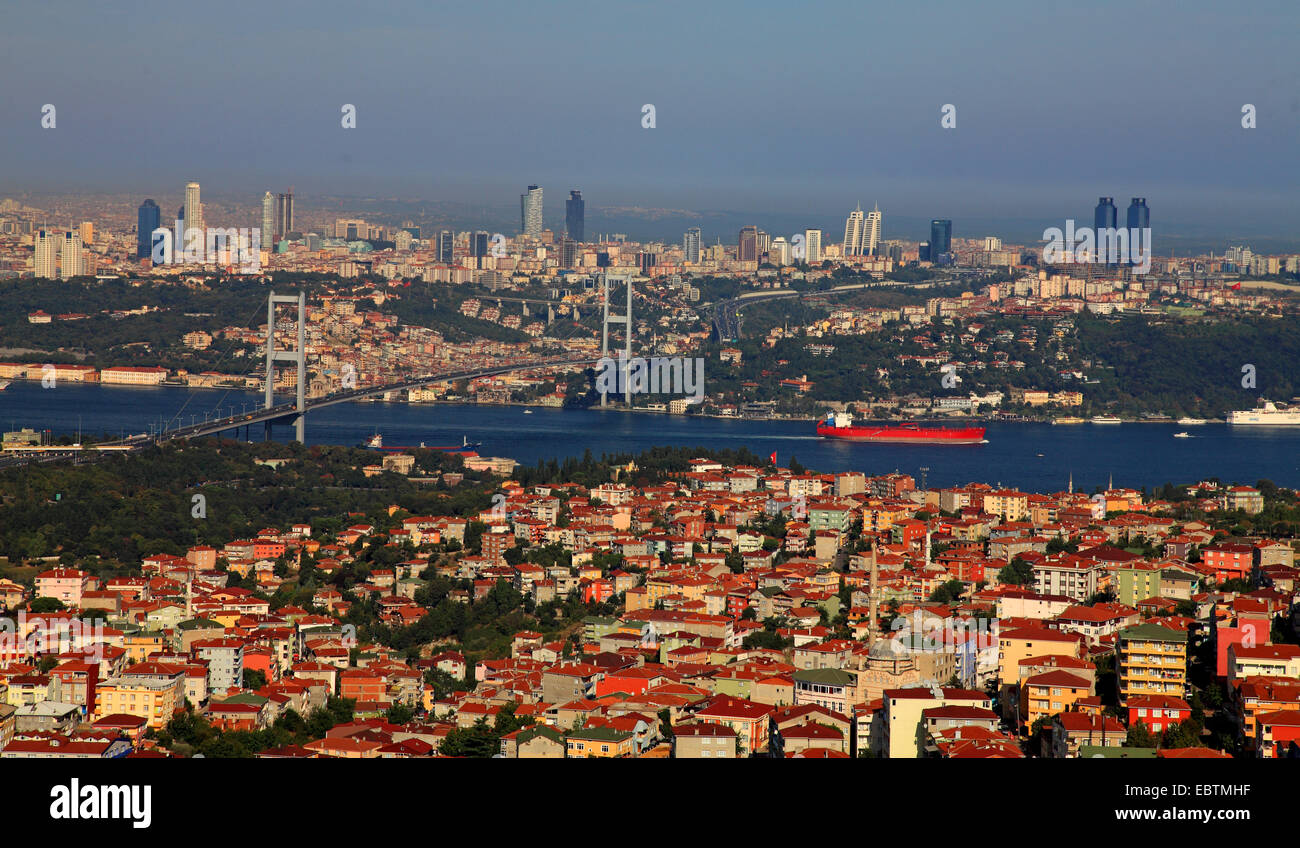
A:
{"x":376,"y":441}
{"x":1191,"y":422}
{"x":528,"y":412}
{"x":1106,"y":419}
{"x":1182,"y":435}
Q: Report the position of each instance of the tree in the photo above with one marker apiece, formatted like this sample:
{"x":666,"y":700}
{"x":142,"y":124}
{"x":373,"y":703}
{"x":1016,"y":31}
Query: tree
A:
{"x":479,"y":741}
{"x":254,"y":678}
{"x":41,"y":605}
{"x":399,"y":714}
{"x":948,"y":592}
{"x":1017,"y":572}
{"x":1140,"y":737}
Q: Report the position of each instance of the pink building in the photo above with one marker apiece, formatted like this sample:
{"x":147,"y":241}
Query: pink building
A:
{"x":64,"y":584}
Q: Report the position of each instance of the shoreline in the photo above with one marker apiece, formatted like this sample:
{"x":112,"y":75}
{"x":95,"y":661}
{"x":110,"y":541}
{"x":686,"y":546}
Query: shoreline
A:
{"x":928,"y":419}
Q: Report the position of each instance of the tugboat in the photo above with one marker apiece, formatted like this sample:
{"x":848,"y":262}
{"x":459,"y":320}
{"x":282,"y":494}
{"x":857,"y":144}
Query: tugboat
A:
{"x":375,"y":442}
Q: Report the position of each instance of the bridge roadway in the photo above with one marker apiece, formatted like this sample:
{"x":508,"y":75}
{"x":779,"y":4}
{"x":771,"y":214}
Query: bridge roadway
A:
{"x":289,"y":410}
{"x":280,"y":411}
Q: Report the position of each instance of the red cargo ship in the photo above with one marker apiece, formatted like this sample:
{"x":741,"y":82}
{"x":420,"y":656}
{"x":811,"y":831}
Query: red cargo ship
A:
{"x":839,"y":425}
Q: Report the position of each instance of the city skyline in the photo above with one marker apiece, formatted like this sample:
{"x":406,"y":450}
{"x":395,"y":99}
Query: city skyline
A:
{"x":1014,"y":151}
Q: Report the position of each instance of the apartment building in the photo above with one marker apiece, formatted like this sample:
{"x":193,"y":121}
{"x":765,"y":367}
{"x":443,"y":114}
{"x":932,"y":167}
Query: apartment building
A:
{"x":1152,"y":660}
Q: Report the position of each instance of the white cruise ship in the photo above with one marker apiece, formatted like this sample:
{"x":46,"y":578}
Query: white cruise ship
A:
{"x":1189,"y":422}
{"x":1266,"y":414}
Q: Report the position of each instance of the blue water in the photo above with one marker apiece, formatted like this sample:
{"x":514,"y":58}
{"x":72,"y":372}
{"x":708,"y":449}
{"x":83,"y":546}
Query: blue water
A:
{"x":1133,"y":454}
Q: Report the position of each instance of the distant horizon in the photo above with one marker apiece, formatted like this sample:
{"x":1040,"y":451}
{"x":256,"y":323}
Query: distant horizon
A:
{"x":646,"y":223}
{"x":947,"y":110}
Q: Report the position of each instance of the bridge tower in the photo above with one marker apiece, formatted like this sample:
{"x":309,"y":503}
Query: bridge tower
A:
{"x":297,"y":355}
{"x":626,"y":320}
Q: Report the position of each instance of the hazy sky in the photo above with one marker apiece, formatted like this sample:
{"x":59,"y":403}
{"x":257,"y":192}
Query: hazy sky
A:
{"x":801,"y":107}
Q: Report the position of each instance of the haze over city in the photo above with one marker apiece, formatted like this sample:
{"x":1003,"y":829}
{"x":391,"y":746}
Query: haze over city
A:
{"x":761,"y":108}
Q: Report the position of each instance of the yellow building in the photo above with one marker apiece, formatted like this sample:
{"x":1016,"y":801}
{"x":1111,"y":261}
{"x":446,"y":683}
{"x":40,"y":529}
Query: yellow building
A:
{"x":142,"y":645}
{"x":1025,"y":642}
{"x":1012,"y":506}
{"x":1051,"y":693}
{"x":600,"y":742}
{"x":155,"y":700}
{"x":1152,"y":660}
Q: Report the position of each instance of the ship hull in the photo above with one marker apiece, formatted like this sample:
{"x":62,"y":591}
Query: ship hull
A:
{"x":1264,"y":419}
{"x":905,"y":435}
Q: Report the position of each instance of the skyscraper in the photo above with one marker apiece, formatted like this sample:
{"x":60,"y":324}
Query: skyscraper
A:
{"x":778,"y":252}
{"x":575,"y":216}
{"x":47,"y":251}
{"x":147,"y":219}
{"x":478,"y":244}
{"x":812,"y":246}
{"x":747,"y":244}
{"x":873,"y":232}
{"x":284,"y":215}
{"x":853,"y":229}
{"x":1105,"y":218}
{"x":72,"y":262}
{"x":1139,"y":216}
{"x":568,"y":253}
{"x":268,"y":218}
{"x":691,"y":245}
{"x":1139,"y":219}
{"x":446,"y":244}
{"x":940,"y":238}
{"x":193,"y":208}
{"x":530,"y":212}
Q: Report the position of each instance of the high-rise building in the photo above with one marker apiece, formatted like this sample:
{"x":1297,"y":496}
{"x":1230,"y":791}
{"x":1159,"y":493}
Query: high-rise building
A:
{"x":72,"y":261}
{"x":812,"y":246}
{"x":778,"y":252}
{"x":478,"y":244}
{"x":575,"y":216}
{"x":47,"y":252}
{"x":193,"y":209}
{"x":873,"y":232}
{"x":940,"y":238}
{"x":87,"y":232}
{"x":568,"y":253}
{"x":530,"y":212}
{"x":268,"y":218}
{"x":691,"y":245}
{"x":446,"y":245}
{"x":853,"y":229}
{"x":747,"y":245}
{"x":284,"y":215}
{"x":147,"y":219}
{"x":1139,"y":216}
{"x":1105,"y":218}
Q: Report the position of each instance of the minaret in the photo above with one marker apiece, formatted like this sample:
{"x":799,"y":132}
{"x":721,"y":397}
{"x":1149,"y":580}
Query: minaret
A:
{"x":1072,"y":482}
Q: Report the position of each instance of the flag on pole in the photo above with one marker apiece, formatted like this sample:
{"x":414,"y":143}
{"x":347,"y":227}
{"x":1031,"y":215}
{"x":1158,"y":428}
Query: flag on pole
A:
{"x":773,"y":457}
